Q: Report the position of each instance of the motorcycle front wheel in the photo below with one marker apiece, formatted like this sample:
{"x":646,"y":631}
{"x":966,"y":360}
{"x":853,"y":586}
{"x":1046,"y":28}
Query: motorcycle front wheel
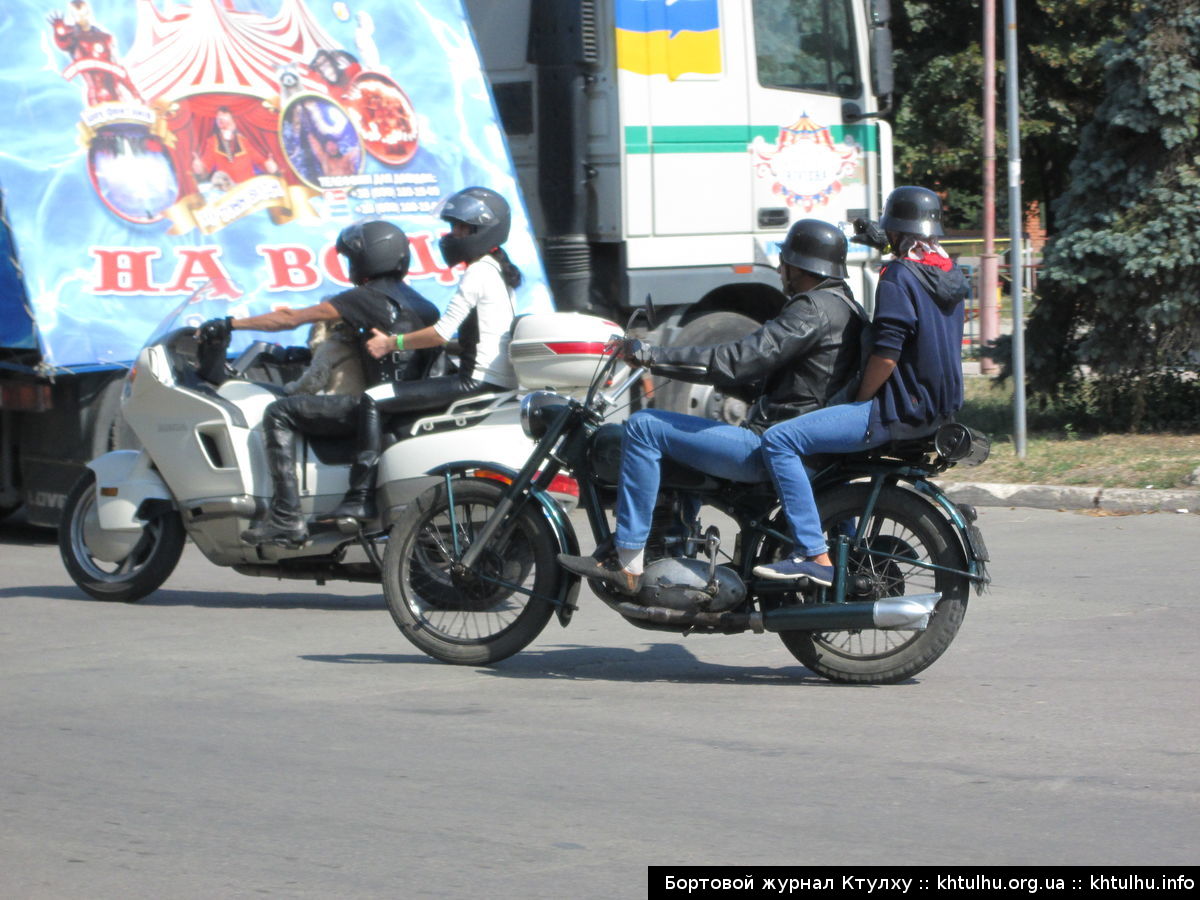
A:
{"x":904,"y":533}
{"x":481,"y":616}
{"x":116,"y":566}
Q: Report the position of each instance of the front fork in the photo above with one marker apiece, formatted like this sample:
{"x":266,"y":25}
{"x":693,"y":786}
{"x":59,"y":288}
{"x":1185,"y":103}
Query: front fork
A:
{"x":525,"y":486}
{"x":518,"y":491}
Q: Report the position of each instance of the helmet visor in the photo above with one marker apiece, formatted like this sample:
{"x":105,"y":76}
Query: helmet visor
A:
{"x":466,"y":208}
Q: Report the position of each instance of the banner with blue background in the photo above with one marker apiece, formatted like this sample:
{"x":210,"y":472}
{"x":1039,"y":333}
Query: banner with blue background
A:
{"x":155,"y":146}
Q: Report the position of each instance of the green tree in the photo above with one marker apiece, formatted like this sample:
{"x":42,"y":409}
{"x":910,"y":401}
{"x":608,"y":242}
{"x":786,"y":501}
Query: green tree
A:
{"x":939,"y":74}
{"x":1120,"y":289}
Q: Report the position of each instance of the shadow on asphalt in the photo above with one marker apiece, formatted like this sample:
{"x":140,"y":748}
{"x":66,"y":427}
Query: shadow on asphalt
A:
{"x":205,"y":599}
{"x":656,"y":662}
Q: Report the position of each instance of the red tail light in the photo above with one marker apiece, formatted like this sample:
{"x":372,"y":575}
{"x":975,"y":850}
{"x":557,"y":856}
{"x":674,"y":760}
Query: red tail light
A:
{"x":564,"y":484}
{"x":559,"y":484}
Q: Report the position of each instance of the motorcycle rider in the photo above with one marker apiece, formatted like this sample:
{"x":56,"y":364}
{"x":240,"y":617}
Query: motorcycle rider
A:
{"x":377,"y":254}
{"x":481,"y":312}
{"x":804,"y":356}
{"x":911,"y":384}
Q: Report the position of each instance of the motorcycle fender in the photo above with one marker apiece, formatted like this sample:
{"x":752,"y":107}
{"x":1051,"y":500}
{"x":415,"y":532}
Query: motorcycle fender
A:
{"x":563,"y":531}
{"x":125,"y":479}
{"x":968,"y":533}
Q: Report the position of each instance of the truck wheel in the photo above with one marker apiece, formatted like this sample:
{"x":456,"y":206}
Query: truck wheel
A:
{"x":702,"y":399}
{"x":118,"y":566}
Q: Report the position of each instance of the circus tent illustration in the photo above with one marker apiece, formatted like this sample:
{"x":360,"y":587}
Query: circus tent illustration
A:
{"x":203,"y":148}
{"x":211,"y":46}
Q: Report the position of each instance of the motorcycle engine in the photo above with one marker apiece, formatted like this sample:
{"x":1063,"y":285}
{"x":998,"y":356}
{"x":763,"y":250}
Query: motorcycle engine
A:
{"x":682,"y":584}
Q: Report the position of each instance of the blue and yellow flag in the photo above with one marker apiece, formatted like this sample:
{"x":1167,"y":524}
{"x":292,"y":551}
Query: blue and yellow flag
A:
{"x":668,"y":37}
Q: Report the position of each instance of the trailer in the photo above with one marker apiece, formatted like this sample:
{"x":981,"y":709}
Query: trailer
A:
{"x":156,"y":147}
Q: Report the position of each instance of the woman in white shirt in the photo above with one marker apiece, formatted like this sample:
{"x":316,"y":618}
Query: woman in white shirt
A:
{"x":481,"y":313}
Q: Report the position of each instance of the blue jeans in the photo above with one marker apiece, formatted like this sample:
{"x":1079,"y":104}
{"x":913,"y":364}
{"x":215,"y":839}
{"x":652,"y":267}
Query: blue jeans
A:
{"x":835,"y":429}
{"x":725,"y":451}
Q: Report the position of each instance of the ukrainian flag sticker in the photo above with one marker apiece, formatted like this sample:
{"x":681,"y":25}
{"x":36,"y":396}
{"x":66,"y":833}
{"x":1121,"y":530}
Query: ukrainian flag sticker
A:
{"x":668,"y":37}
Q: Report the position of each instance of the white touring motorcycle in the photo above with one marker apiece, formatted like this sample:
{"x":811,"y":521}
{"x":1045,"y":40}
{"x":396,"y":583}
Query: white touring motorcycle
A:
{"x":202,"y":472}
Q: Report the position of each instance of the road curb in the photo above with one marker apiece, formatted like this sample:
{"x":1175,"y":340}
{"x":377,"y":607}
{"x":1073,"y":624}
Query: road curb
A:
{"x":1050,"y":496}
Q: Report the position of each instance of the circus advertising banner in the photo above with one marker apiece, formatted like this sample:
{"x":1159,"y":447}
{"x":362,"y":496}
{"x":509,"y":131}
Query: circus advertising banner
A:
{"x":156,"y":146}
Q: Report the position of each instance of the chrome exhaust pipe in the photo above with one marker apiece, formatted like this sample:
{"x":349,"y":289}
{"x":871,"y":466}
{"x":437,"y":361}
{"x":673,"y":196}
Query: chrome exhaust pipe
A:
{"x":895,"y":613}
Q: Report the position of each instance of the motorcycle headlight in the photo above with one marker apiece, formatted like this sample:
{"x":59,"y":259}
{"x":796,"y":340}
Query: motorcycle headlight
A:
{"x":537,"y":410}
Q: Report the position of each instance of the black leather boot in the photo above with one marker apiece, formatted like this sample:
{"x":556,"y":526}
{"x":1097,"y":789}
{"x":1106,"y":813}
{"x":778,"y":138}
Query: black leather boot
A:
{"x":284,"y":524}
{"x":359,"y":502}
{"x":277,"y":529}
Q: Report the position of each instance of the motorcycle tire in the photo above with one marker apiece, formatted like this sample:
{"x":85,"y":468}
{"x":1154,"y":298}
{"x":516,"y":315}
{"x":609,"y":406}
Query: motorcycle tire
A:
{"x":477,"y":620}
{"x":903,"y":525}
{"x":149,"y":562}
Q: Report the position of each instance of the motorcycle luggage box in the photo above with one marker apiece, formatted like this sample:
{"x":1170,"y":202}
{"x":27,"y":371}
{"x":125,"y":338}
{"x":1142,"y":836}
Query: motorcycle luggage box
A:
{"x":559,"y":350}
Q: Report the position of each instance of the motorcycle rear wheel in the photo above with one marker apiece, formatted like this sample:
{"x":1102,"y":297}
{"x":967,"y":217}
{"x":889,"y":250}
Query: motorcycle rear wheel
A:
{"x":499,"y":607}
{"x":151,"y":558}
{"x":903,"y":525}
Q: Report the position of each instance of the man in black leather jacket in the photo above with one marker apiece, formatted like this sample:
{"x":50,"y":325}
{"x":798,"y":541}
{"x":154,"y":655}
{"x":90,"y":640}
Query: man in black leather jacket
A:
{"x":804,"y":358}
{"x":378,"y":256}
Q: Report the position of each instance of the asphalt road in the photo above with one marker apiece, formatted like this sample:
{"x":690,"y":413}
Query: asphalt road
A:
{"x":232,"y":737}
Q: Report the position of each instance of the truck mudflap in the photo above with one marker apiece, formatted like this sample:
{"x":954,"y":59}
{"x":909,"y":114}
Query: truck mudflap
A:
{"x":126,"y":479}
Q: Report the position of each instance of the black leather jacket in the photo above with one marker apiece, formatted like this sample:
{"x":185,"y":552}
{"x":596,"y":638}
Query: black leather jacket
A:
{"x":795,"y":363}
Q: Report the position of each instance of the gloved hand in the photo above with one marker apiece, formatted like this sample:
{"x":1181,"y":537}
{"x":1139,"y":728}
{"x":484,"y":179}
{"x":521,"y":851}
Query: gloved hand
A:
{"x":632,"y":351}
{"x":869,"y":233}
{"x":216,"y":331}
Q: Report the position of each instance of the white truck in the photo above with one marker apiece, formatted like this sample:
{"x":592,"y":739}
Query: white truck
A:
{"x":665,"y":147}
{"x":662,"y":148}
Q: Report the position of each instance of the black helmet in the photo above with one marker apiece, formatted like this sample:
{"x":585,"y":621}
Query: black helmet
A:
{"x":913,"y":210}
{"x":816,"y":247}
{"x":488,"y":215}
{"x":373,"y":249}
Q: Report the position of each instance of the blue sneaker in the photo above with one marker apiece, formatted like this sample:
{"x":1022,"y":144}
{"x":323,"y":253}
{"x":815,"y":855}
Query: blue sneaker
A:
{"x":795,"y":568}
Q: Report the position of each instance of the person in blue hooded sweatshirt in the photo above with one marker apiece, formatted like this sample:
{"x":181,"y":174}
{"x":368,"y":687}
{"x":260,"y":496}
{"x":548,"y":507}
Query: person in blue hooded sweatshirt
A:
{"x":911,"y":381}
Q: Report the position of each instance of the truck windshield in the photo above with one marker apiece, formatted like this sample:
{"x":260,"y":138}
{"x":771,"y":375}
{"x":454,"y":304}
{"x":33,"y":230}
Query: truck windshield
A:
{"x":807,"y":45}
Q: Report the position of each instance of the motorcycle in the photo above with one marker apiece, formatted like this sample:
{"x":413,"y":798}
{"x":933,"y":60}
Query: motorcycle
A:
{"x":470,"y":574}
{"x":202,"y":471}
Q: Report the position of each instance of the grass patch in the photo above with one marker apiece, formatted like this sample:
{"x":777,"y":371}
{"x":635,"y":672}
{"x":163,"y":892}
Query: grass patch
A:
{"x":1058,"y":453}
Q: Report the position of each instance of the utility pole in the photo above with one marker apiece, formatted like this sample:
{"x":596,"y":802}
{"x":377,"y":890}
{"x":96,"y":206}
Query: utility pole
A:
{"x":1015,"y":223}
{"x":989,"y":313}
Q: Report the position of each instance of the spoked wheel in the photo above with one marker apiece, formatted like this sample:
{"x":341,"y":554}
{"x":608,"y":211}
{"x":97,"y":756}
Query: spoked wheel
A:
{"x":124,"y":566}
{"x":469,"y":617}
{"x":904,"y":535}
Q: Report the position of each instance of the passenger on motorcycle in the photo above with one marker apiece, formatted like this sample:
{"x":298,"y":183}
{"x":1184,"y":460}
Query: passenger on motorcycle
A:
{"x":481,"y":312}
{"x":911,"y":384}
{"x":803,"y":357}
{"x":378,"y":255}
